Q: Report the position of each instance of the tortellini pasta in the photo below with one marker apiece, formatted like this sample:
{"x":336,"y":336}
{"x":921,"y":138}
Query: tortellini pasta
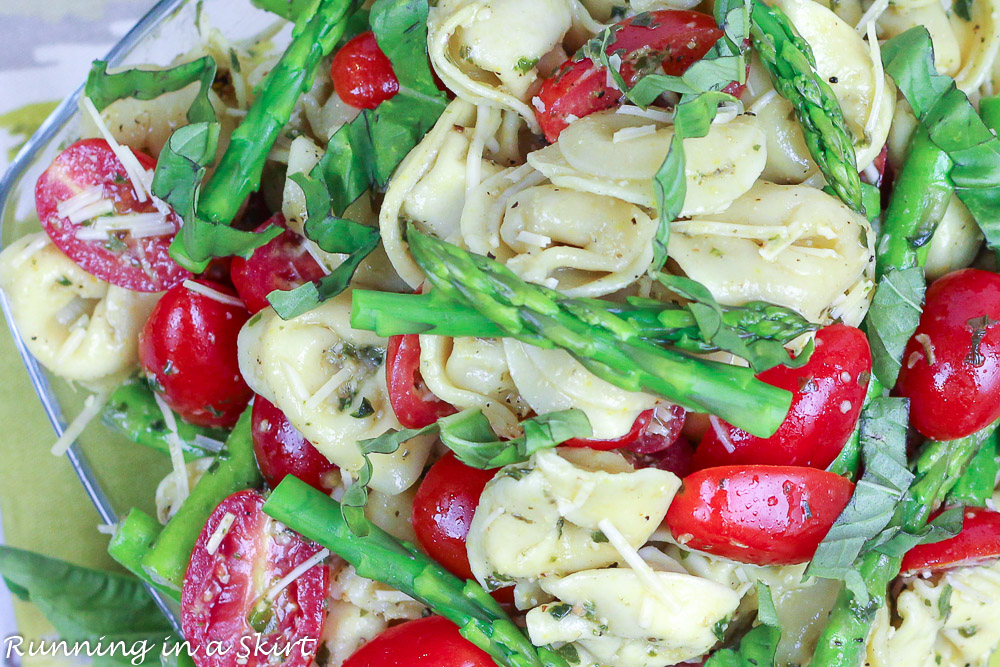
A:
{"x":76,"y":325}
{"x":791,"y":245}
{"x":866,"y":94}
{"x":540,"y":519}
{"x":955,"y":242}
{"x":329,"y":379}
{"x":630,"y":619}
{"x":618,"y":154}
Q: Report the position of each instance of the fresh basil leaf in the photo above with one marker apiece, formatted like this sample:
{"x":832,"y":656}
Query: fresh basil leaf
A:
{"x":469,"y":435}
{"x":895,"y":541}
{"x":876,"y":496}
{"x":103,"y":88}
{"x":288,"y":9}
{"x":892,"y":319}
{"x":758,"y":646}
{"x":952,"y":124}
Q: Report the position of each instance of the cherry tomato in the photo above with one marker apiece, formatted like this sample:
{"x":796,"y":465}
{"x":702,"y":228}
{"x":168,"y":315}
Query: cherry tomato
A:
{"x":187,"y":349}
{"x":223,"y":599}
{"x":283,"y":263}
{"x":281,"y":450}
{"x":652,"y":431}
{"x":977,"y":543}
{"x":677,"y":458}
{"x":425,"y":642}
{"x":414,"y":404}
{"x":136,"y":263}
{"x":827,"y":395}
{"x":219,"y":270}
{"x":362,"y":75}
{"x":880,"y":165}
{"x":951,"y":366}
{"x":672,"y":39}
{"x":765,"y":515}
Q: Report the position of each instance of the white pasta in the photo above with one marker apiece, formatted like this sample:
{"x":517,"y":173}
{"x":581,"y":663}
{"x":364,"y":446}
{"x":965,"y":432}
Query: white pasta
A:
{"x":955,"y":243}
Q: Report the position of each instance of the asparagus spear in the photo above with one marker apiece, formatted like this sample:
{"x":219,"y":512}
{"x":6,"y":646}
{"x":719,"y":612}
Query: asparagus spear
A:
{"x":239,"y":171}
{"x":132,"y":540}
{"x":381,"y":557}
{"x":790,"y":62}
{"x":289,"y":9}
{"x":938,"y":469}
{"x":847,"y":462}
{"x":234,"y":469}
{"x":607,"y":345}
{"x":919,"y":199}
{"x":976,"y":485}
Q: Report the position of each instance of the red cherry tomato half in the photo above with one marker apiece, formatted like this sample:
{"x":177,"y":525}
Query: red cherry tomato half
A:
{"x":677,"y":458}
{"x":138,"y":263}
{"x":187,"y":349}
{"x":977,"y":543}
{"x":827,"y":395}
{"x":652,"y":431}
{"x":765,"y":515}
{"x":224,"y":597}
{"x":281,"y":450}
{"x":951,"y":366}
{"x":283,"y":263}
{"x":414,"y":404}
{"x":672,"y":39}
{"x":425,"y":642}
{"x":362,"y":74}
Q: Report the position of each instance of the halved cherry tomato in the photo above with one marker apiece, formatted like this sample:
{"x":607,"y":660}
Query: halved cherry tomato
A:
{"x":283,"y":263}
{"x":224,"y":599}
{"x":652,"y":431}
{"x":414,"y":404}
{"x":140,"y":263}
{"x":765,"y":515}
{"x":671,"y":39}
{"x":187,"y":349}
{"x":362,"y":74}
{"x":827,"y":395}
{"x":977,"y":543}
{"x":425,"y":642}
{"x":677,"y":458}
{"x":281,"y":450}
{"x":951,"y":366}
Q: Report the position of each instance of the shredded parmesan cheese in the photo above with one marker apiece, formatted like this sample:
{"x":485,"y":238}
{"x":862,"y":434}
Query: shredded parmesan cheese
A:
{"x":720,"y":433}
{"x":91,"y":211}
{"x":92,"y":407}
{"x":531,"y":238}
{"x":873,"y":14}
{"x":630,"y":133}
{"x":135,"y":171}
{"x":208,"y":444}
{"x":879,"y":74}
{"x":330,"y":386}
{"x":107,"y":528}
{"x":215,"y":295}
{"x":307,"y":565}
{"x":652,"y":114}
{"x":642,"y":569}
{"x":176,"y":449}
{"x":220,"y":533}
{"x":80,"y":200}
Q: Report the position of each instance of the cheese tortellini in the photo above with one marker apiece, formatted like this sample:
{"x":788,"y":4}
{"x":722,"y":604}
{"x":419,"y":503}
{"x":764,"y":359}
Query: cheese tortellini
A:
{"x":76,"y":325}
{"x":329,"y":379}
{"x":540,"y":519}
{"x":791,"y":245}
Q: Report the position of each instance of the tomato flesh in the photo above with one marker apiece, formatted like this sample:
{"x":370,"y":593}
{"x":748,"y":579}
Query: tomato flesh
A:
{"x":362,"y":74}
{"x":827,"y":396}
{"x":187,"y":350}
{"x":765,"y":515}
{"x":426,"y":642}
{"x":672,"y":40}
{"x":977,"y":543}
{"x":281,"y":264}
{"x":142,"y":264}
{"x":951,"y":366}
{"x":282,"y":450}
{"x":223,"y":591}
{"x":652,"y":431}
{"x":414,"y":404}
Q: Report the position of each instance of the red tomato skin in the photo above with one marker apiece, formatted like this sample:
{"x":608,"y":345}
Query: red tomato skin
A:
{"x":677,"y":458}
{"x":187,"y":349}
{"x":281,"y":450}
{"x":977,"y":543}
{"x":415,"y":406}
{"x":362,"y":74}
{"x":817,"y":426}
{"x":640,"y":438}
{"x":91,"y":162}
{"x":283,"y":263}
{"x":425,"y":642}
{"x":219,"y":589}
{"x":765,"y":515}
{"x":578,"y":88}
{"x":954,"y":397}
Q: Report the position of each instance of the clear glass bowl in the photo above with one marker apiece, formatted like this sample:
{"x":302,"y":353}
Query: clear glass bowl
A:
{"x":166,"y":32}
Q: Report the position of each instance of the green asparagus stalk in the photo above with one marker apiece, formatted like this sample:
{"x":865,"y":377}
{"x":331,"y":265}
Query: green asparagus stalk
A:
{"x":790,"y":62}
{"x":607,"y":345}
{"x":240,"y":169}
{"x":847,"y":462}
{"x":132,"y":541}
{"x":919,"y":199}
{"x":381,"y":557}
{"x":288,"y":9}
{"x":975,"y":487}
{"x":234,"y":469}
{"x":939,"y":467}
{"x":132,"y":409}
